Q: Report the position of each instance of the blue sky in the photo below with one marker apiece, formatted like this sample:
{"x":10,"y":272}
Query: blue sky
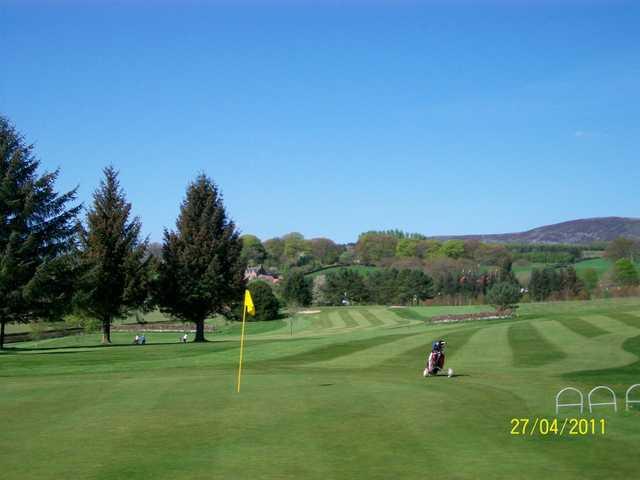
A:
{"x":434,"y":117}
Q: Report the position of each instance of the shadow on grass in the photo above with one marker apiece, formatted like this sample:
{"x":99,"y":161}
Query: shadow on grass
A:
{"x":52,"y":350}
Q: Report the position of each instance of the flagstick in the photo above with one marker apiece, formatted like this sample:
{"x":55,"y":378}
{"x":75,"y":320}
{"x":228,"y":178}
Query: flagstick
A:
{"x":244,"y":315}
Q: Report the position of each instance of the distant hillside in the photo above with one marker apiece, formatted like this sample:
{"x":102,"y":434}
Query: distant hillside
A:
{"x":583,"y":231}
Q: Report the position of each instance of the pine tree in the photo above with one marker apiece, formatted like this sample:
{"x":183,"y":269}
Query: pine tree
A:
{"x":37,"y":228}
{"x":114,"y":262}
{"x":296,"y":289}
{"x":202,"y":272}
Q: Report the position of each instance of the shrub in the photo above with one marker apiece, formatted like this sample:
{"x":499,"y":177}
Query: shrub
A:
{"x":504,"y":295}
{"x":297,"y":289}
{"x":625,"y":273}
{"x":265,"y":302}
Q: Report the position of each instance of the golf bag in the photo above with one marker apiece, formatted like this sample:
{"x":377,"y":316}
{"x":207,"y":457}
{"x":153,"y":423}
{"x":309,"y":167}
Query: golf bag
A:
{"x":435,"y":362}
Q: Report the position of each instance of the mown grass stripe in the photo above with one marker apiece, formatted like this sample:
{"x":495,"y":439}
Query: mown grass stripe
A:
{"x":626,"y":318}
{"x":529,"y":347}
{"x":322,"y":321}
{"x":347,"y":318}
{"x":418,"y":355}
{"x":371,"y":317}
{"x":406,"y":315}
{"x":581,"y":327}
{"x":357,"y":316}
{"x":333,"y":351}
{"x":336,"y":319}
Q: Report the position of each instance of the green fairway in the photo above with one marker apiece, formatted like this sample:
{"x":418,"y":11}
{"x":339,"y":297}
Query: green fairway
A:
{"x":343,"y":397}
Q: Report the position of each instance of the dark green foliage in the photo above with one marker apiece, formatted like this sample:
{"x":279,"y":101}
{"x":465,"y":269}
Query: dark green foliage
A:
{"x":202,"y":272}
{"x":546,"y":253}
{"x":37,"y":228}
{"x":625,"y":273}
{"x":114,"y":263}
{"x":504,"y":295}
{"x":297,"y":289}
{"x":275,"y":251}
{"x":388,"y":286}
{"x":344,"y":286}
{"x":556,"y":283}
{"x":398,"y":287}
{"x":264,"y":300}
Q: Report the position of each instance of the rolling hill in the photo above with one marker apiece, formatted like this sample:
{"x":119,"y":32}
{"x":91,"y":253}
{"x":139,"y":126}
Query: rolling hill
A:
{"x":583,"y":231}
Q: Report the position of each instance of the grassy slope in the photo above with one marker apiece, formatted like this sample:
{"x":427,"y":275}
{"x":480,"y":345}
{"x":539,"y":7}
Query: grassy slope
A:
{"x":600,"y":265}
{"x":343,"y":398}
{"x":362,"y":269}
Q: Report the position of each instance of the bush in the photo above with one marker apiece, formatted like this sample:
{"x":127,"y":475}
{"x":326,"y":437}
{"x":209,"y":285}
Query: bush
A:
{"x":625,"y":273}
{"x":265,"y":302}
{"x":297,"y":289}
{"x":504,"y":295}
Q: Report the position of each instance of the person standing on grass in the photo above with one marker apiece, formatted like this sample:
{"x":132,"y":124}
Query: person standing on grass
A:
{"x":184,"y":338}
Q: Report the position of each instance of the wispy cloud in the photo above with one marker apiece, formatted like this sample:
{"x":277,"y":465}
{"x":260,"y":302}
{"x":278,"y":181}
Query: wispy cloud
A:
{"x":588,"y":134}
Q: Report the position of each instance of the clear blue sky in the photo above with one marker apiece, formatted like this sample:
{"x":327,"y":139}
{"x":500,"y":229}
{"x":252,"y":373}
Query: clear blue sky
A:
{"x":330,"y":121}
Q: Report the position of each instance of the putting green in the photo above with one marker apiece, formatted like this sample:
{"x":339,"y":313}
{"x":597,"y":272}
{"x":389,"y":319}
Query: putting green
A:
{"x":341,"y":398}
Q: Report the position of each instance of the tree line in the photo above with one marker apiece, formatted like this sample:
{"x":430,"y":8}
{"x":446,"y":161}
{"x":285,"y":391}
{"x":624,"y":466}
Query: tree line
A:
{"x":56,"y":258}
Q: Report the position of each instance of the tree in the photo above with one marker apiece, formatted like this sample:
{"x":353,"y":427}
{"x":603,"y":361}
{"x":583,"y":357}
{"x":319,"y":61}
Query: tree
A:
{"x":297,"y":289}
{"x":453,"y":248}
{"x":202,"y":272}
{"x":275,"y":251}
{"x":373,"y":247}
{"x":114,"y":263}
{"x":503,"y":296}
{"x":382,"y":286}
{"x":37,"y":236}
{"x":414,"y":286}
{"x":625,"y":273}
{"x":347,"y":257}
{"x":253,"y":252}
{"x":264,"y":301}
{"x":590,"y":278}
{"x":296,"y":248}
{"x":344,"y":285}
{"x":623,"y":247}
{"x":325,"y":251}
{"x":407,"y":247}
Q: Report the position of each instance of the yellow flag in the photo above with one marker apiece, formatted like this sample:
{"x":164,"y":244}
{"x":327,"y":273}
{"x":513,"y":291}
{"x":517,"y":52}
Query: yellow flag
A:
{"x":248,"y":303}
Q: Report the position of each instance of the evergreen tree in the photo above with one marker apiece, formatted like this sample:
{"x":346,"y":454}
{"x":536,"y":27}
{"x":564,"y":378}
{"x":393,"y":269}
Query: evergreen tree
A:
{"x":344,"y":286}
{"x":114,"y":262}
{"x":297,"y":289}
{"x":37,"y":229}
{"x":504,"y":296}
{"x":413,"y":285}
{"x":201,"y":273}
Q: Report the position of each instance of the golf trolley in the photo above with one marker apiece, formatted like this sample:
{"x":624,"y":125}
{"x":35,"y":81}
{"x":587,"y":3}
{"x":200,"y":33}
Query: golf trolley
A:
{"x":435,"y":361}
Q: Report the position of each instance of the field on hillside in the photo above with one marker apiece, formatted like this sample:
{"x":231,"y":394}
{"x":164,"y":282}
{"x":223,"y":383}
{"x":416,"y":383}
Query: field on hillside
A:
{"x":600,"y":265}
{"x":343,"y":397}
